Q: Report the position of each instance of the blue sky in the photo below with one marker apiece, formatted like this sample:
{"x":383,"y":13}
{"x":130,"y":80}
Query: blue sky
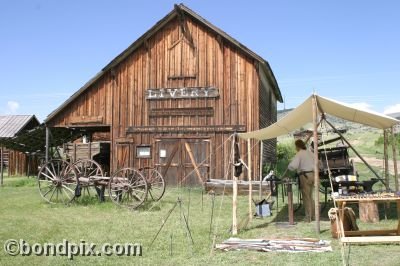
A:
{"x":347,"y":50}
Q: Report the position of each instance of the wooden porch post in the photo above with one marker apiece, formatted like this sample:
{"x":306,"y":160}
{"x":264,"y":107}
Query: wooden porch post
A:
{"x":394,"y":149}
{"x":234,"y":187}
{"x":1,"y":167}
{"x":249,"y":173}
{"x":386,"y":158}
{"x":316,"y":164}
{"x":261,"y":168}
{"x":47,"y":144}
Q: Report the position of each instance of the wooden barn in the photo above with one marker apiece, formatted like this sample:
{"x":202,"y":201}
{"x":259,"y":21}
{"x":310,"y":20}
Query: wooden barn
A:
{"x":14,"y":158}
{"x":174,"y":97}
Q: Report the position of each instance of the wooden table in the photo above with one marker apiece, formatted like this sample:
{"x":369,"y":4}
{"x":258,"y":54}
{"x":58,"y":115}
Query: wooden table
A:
{"x":368,"y":236}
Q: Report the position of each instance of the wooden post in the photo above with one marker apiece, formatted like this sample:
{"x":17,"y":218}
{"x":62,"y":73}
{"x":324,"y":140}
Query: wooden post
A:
{"x":386,"y":158}
{"x":210,"y":168}
{"x":234,"y":188}
{"x":394,"y":149}
{"x":249,"y":173}
{"x":1,"y":167}
{"x":290,"y":203}
{"x":261,"y":168}
{"x":47,"y":144}
{"x":316,"y":164}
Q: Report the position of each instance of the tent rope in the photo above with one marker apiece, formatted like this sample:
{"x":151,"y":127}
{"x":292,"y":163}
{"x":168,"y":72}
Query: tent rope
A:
{"x":338,"y":229}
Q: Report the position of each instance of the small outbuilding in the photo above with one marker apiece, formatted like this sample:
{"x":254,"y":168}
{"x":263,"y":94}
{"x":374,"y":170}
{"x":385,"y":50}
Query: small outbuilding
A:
{"x":13,"y":157}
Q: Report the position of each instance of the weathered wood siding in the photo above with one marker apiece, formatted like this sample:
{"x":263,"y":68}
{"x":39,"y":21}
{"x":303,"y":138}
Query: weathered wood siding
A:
{"x":20,"y":165}
{"x":268,"y":116}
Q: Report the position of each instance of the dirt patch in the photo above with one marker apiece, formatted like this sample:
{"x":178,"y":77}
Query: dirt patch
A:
{"x":377,"y":163}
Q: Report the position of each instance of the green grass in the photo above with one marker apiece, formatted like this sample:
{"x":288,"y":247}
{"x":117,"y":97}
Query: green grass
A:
{"x":24,"y":215}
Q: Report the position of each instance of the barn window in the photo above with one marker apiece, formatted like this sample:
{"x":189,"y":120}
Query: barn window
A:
{"x":143,"y":151}
{"x":182,"y":59}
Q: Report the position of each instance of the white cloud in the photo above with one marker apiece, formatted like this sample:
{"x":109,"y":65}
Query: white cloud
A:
{"x":12,"y":107}
{"x":392,"y":109}
{"x":362,"y":106}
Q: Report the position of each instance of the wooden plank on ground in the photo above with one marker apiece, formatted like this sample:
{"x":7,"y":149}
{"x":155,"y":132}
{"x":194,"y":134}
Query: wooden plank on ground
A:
{"x":371,"y":232}
{"x":370,"y":239}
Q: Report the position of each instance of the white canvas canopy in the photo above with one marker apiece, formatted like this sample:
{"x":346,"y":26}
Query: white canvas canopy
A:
{"x":303,"y":114}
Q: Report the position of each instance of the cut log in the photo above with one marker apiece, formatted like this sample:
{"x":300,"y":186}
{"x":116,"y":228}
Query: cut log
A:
{"x":368,"y":212}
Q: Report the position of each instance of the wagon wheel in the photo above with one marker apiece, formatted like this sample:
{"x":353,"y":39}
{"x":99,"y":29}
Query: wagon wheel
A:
{"x":57,"y":181}
{"x":155,"y":182}
{"x":128,"y":187}
{"x":87,"y":168}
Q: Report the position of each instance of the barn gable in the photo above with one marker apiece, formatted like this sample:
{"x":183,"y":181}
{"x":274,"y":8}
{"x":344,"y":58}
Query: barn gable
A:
{"x":180,"y":12}
{"x":176,"y":94}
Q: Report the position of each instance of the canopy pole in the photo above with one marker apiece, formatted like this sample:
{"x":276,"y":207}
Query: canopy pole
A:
{"x":354,"y":150}
{"x":261,"y":168}
{"x":316,"y":164}
{"x":394,"y":149}
{"x":234,"y":188}
{"x":47,"y":144}
{"x":386,"y":158}
{"x":249,"y":173}
{"x":2,"y":165}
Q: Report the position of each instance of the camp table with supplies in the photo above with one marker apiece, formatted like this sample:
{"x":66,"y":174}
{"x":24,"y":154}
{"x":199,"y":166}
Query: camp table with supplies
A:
{"x":368,"y":236}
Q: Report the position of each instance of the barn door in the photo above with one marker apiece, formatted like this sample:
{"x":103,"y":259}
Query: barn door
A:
{"x":125,"y":153}
{"x":183,"y":161}
{"x":168,"y":158}
{"x":195,"y":161}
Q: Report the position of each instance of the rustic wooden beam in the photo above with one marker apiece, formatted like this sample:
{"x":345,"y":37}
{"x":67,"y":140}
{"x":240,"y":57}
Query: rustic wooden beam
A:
{"x":316,"y":164}
{"x":47,"y":144}
{"x":261,"y":168}
{"x":382,"y":232}
{"x":86,"y":119}
{"x":386,"y":158}
{"x":290,"y":203}
{"x":193,"y":111}
{"x":249,"y":173}
{"x":394,"y":150}
{"x":235,"y":190}
{"x":370,"y":239}
{"x":398,"y":217}
{"x":187,"y":129}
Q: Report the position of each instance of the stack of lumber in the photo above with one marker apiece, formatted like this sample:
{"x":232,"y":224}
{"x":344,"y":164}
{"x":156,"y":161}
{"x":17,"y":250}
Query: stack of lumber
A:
{"x":218,"y":186}
{"x":279,"y":245}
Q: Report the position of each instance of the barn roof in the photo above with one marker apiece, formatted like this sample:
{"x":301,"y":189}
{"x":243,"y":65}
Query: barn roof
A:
{"x":177,"y":11}
{"x":11,"y":125}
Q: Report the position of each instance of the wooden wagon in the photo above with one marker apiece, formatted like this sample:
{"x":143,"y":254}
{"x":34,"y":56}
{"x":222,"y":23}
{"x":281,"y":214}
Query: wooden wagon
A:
{"x":60,"y":181}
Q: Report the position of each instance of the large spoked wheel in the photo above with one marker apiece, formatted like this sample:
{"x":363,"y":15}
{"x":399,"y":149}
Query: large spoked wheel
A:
{"x":128,"y":187}
{"x":155,"y":183}
{"x":88,"y":170}
{"x":57,"y":181}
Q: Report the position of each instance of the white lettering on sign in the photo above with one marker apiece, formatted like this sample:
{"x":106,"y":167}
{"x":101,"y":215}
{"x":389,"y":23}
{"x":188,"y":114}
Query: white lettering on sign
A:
{"x":172,"y":92}
{"x":182,"y":93}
